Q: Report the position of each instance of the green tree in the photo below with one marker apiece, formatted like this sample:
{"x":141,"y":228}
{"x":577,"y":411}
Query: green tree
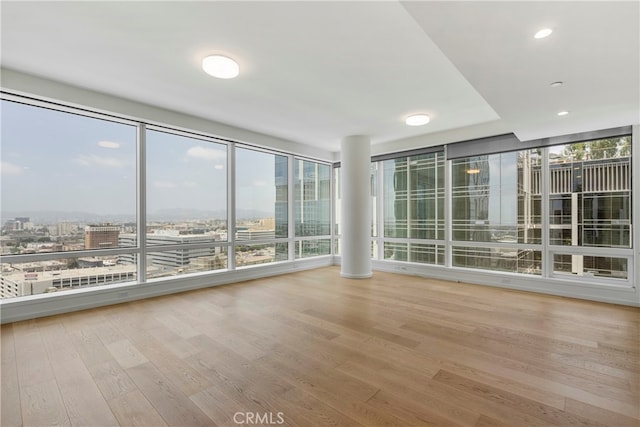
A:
{"x":603,"y":148}
{"x":574,"y":151}
{"x":624,"y":146}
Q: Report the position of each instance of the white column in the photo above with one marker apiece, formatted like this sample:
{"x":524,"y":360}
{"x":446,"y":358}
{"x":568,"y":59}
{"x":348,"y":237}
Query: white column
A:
{"x":356,"y":207}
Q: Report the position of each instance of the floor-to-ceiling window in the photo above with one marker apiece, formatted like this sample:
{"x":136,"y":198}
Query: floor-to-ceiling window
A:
{"x":590,"y":208}
{"x":186,"y":204}
{"x":556,"y":211}
{"x":312,"y":208}
{"x":495,"y":212}
{"x":262,"y":218}
{"x":413,"y":208}
{"x":91,"y":199}
{"x":68,"y":193}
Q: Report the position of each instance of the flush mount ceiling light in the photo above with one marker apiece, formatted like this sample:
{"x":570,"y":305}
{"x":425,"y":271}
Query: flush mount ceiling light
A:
{"x":563,"y":113}
{"x":417,"y":120}
{"x":543,"y":33}
{"x":220,"y":66}
{"x":556,"y":84}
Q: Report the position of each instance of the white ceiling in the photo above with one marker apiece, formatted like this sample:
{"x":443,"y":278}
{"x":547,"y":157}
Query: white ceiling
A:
{"x":315,"y":72}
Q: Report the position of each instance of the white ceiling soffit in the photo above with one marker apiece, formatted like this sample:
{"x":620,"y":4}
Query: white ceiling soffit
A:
{"x":311,"y":72}
{"x":594,"y":49}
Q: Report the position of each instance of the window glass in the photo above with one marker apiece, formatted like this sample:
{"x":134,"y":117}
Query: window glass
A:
{"x":316,"y":247}
{"x":312,"y":198}
{"x":262,"y":204}
{"x":414,"y":196}
{"x":32,"y":278}
{"x":590,"y":266}
{"x":186,"y":190}
{"x":248,"y":254}
{"x":184,"y":260}
{"x":497,"y":198}
{"x":68,"y":181}
{"x":524,"y":261}
{"x":590,"y":193}
{"x":414,"y":252}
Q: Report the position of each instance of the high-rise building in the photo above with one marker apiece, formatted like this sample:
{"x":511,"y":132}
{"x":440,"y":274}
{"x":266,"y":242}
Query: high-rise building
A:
{"x":18,"y":224}
{"x":101,"y":236}
{"x":65,"y":228}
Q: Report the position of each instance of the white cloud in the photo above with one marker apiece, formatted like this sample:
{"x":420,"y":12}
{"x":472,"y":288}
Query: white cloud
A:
{"x":94,"y":160}
{"x":204,"y":153}
{"x":219,"y":167}
{"x":109,"y":144}
{"x":11,"y":169}
{"x":164,"y":184}
{"x":189,"y":184}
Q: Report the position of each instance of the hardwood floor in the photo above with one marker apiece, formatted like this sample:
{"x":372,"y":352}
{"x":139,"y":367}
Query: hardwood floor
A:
{"x":312,"y":349}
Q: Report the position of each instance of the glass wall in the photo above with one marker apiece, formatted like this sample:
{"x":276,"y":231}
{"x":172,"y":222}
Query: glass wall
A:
{"x":186,"y":204}
{"x":590,"y":206}
{"x":71,"y":190}
{"x":68,"y":185}
{"x":312,"y":207}
{"x":72,"y":182}
{"x":413,"y":208}
{"x":508,"y":215}
{"x":590,"y":193}
{"x":496,"y":204}
{"x":262,"y":207}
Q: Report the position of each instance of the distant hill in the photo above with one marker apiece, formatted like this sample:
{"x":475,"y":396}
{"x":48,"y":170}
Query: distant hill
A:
{"x":176,"y":214}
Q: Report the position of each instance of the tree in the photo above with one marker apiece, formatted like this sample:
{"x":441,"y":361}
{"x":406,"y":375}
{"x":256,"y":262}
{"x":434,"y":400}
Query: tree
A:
{"x":575,"y":151}
{"x":624,"y":146}
{"x":603,"y":148}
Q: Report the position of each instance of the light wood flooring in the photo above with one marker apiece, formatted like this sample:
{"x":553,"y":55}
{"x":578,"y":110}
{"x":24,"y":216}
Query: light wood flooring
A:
{"x":317,"y":349}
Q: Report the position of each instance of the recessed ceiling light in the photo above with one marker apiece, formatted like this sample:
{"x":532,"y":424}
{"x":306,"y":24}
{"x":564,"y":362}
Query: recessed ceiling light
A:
{"x":417,"y":120}
{"x":556,"y":84}
{"x":220,"y":66}
{"x":543,"y":33}
{"x":563,"y":113}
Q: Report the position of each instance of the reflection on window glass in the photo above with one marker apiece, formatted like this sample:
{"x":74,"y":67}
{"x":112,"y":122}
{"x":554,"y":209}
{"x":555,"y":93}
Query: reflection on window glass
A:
{"x":590,"y":193}
{"x":590,"y":266}
{"x":309,"y":248}
{"x":68,"y":181}
{"x":312,"y":198}
{"x":262,"y":211}
{"x":497,"y":198}
{"x":525,"y":261}
{"x":414,"y":196}
{"x":414,"y":252}
{"x":32,"y":278}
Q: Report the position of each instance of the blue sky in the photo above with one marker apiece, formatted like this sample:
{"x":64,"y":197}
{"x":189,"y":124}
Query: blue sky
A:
{"x":55,"y":161}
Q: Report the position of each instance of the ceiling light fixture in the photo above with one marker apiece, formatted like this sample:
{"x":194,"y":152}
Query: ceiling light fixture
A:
{"x":543,"y":33}
{"x":220,"y":66}
{"x":556,"y":84}
{"x":563,"y":113}
{"x":472,"y":171}
{"x":417,"y":120}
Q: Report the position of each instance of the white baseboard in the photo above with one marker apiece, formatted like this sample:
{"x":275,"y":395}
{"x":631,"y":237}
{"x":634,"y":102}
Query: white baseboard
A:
{"x":566,"y":288}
